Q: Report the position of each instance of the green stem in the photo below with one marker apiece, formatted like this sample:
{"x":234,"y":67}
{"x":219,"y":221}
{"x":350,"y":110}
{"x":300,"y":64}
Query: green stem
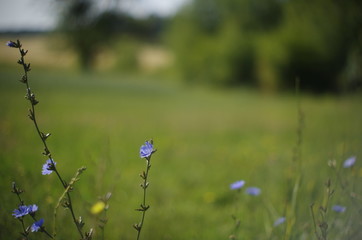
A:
{"x":144,"y":186}
{"x":314,"y":221}
{"x":234,"y":235}
{"x":73,"y":216}
{"x":24,"y":229}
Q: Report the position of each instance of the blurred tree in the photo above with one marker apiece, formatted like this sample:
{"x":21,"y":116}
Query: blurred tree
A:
{"x":214,"y":40}
{"x":79,"y":25}
{"x":268,"y":43}
{"x":318,"y":40}
{"x":89,"y":30}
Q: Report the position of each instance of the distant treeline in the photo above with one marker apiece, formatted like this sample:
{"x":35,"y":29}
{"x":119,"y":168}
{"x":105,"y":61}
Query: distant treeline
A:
{"x":262,"y":43}
{"x":270,"y":43}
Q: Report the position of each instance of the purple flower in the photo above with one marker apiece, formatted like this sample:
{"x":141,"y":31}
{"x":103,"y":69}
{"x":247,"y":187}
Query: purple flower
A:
{"x":253,"y":191}
{"x":21,"y":211}
{"x":37,"y":225}
{"x":32,"y":209}
{"x":25,"y":210}
{"x":349,"y":162}
{"x":339,"y":208}
{"x":279,"y":221}
{"x":12,"y":44}
{"x":237,"y":185}
{"x":48,"y":167}
{"x":146,"y":150}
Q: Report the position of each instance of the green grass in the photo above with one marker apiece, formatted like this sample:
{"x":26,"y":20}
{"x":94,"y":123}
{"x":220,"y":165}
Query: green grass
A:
{"x":206,"y":139}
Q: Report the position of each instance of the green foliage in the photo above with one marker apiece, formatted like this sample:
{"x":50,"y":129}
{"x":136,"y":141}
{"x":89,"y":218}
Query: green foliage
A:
{"x":268,"y":43}
{"x":317,"y":42}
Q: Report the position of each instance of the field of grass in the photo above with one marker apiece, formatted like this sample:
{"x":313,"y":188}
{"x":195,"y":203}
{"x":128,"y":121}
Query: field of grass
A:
{"x":206,"y":140}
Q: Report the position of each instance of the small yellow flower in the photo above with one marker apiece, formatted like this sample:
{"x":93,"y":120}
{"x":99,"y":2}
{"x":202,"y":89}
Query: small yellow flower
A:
{"x":98,"y":207}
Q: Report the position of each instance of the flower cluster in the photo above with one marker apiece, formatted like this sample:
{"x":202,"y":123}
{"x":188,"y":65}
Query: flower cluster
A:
{"x":25,"y":210}
{"x":253,"y":191}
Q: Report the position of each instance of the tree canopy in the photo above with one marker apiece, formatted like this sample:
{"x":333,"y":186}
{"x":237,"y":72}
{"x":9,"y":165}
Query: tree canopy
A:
{"x":270,"y":43}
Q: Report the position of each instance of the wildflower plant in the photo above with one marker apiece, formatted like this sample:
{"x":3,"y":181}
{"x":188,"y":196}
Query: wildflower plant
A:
{"x":347,"y":205}
{"x":50,"y":165}
{"x":22,"y":211}
{"x":321,"y":227}
{"x":236,"y":186}
{"x":146,"y":152}
{"x":100,"y":209}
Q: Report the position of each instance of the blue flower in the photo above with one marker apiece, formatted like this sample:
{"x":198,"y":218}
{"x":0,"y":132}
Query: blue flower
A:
{"x":253,"y":191}
{"x":21,"y":211}
{"x":339,"y":208}
{"x":37,"y":225}
{"x":349,"y":162}
{"x":146,"y":150}
{"x":48,"y":167}
{"x":25,"y":210}
{"x":237,"y":185}
{"x":32,"y":209}
{"x":12,"y":44}
{"x":279,"y":221}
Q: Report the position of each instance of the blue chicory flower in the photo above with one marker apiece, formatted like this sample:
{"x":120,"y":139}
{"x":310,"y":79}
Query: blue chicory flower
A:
{"x":339,"y":208}
{"x":279,"y":221}
{"x":21,"y":211}
{"x":253,"y":191}
{"x":146,"y":150}
{"x":37,"y":225}
{"x":32,"y":209}
{"x":48,"y":167}
{"x":12,"y":44}
{"x":25,"y":210}
{"x":237,"y":185}
{"x":349,"y":162}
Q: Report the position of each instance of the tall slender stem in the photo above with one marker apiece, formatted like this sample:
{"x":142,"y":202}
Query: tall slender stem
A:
{"x":144,"y":207}
{"x":235,"y":217}
{"x":31,"y":97}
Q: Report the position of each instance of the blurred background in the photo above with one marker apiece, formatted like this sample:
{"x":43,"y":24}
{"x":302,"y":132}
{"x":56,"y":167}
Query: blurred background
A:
{"x":262,"y":44}
{"x":214,"y":83}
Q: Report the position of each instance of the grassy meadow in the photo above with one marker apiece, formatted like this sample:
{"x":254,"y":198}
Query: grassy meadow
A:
{"x":206,"y":140}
